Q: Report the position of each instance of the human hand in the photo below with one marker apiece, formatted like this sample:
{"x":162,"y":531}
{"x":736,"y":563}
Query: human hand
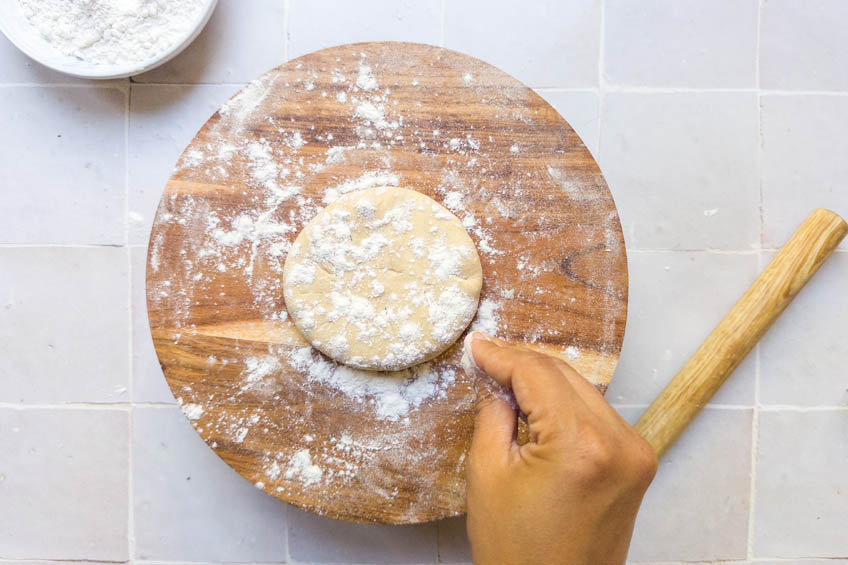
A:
{"x":569,"y":495}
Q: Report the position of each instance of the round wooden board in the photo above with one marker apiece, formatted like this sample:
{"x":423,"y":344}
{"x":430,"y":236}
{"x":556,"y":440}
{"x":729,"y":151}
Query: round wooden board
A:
{"x":437,"y":121}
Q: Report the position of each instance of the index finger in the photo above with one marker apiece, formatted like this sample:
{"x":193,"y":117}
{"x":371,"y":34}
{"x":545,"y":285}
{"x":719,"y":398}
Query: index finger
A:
{"x":536,"y":380}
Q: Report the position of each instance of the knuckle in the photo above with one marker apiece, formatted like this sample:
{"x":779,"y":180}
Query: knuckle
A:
{"x":598,"y":461}
{"x":644,"y":464}
{"x":603,"y":456}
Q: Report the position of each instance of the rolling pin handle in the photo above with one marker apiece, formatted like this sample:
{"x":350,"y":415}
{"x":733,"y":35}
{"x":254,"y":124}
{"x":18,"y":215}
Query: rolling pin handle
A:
{"x":737,"y":333}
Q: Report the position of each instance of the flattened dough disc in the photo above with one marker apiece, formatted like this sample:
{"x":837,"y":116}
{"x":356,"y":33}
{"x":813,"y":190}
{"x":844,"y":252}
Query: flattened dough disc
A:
{"x":382,"y":279}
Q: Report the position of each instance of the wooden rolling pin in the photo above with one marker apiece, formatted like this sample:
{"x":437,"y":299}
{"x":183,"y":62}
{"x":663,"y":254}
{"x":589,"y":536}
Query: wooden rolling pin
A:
{"x":742,"y":327}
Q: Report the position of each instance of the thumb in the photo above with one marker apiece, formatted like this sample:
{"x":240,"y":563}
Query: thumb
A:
{"x":494,"y":431}
{"x":495,"y":421}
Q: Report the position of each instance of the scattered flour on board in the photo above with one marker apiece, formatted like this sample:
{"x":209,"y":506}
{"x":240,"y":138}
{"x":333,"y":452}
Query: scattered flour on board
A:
{"x":301,"y":467}
{"x":257,"y":369}
{"x":487,"y":317}
{"x":280,"y":172}
{"x":365,"y":80}
{"x":192,"y":411}
{"x":240,"y":108}
{"x":373,"y":113}
{"x":392,"y":394}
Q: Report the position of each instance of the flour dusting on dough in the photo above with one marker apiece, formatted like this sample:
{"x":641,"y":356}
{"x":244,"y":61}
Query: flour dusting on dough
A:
{"x":380,"y":281}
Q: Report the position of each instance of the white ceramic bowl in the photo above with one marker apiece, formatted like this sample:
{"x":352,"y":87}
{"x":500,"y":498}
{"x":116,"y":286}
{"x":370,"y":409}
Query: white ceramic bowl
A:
{"x":15,"y":26}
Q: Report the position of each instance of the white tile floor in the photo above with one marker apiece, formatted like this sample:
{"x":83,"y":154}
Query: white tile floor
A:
{"x":681,"y":43}
{"x":718,"y":125}
{"x":179,"y":483}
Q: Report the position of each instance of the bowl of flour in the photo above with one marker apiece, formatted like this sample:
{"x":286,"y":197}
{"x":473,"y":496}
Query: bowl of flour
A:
{"x":103,"y":39}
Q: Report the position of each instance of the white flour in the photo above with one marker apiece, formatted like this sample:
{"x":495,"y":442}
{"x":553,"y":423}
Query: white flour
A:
{"x":431,"y":289}
{"x":283,"y":387}
{"x":301,"y":467}
{"x":366,"y":80}
{"x":192,"y":411}
{"x":257,"y":369}
{"x":487,"y":317}
{"x":393,"y":394}
{"x":367,"y":180}
{"x":108,"y":32}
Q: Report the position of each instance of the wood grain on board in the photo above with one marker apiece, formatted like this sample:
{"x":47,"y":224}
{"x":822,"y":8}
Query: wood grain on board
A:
{"x":533,"y":200}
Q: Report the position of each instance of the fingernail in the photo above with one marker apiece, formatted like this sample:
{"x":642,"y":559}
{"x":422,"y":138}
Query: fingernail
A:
{"x":468,"y":362}
{"x":479,"y":335}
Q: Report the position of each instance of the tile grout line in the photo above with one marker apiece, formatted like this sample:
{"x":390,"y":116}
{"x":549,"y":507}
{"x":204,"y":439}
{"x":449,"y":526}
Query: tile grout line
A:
{"x":610,"y":87}
{"x":601,"y":82}
{"x":637,"y":89}
{"x":634,"y":89}
{"x":117,"y":86}
{"x":794,"y":560}
{"x":127,"y":103}
{"x":755,"y":440}
{"x":801,"y":409}
{"x":130,"y":478}
{"x":130,"y":502}
{"x":755,"y":416}
{"x":115,"y":407}
{"x":185,"y":84}
{"x":696,"y":562}
{"x":555,"y":89}
{"x":697,"y":250}
{"x":63,"y":245}
{"x":779,"y":92}
{"x":759,"y":126}
{"x":760,"y":172}
{"x":48,"y":560}
{"x":601,"y":40}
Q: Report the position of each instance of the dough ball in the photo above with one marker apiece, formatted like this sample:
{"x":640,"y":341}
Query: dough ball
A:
{"x":382,"y":279}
